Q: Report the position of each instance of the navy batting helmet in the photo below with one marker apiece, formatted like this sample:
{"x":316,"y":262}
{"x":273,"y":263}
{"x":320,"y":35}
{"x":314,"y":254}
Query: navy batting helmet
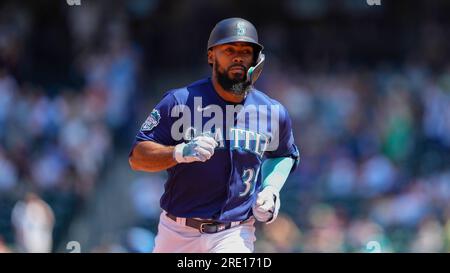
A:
{"x":234,"y":30}
{"x":239,"y":30}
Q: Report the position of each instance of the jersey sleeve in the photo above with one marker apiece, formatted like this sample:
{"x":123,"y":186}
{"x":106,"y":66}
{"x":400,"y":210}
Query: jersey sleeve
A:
{"x":157,"y":126}
{"x":286,"y":146}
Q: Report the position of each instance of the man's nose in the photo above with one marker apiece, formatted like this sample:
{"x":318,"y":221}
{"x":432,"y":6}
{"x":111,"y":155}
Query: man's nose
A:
{"x":237,"y":59}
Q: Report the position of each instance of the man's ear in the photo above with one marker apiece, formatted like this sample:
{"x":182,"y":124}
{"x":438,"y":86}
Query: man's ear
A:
{"x":210,"y":57}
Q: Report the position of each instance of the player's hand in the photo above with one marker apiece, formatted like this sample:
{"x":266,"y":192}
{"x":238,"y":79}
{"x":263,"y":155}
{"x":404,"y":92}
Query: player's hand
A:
{"x":201,"y":148}
{"x":267,"y":205}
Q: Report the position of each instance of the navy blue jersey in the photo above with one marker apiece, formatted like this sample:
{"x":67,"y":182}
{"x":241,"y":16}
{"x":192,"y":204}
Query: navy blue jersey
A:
{"x":222,"y":188}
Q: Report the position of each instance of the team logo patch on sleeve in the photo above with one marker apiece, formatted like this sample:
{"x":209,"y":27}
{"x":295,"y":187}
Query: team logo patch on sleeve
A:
{"x":152,"y":121}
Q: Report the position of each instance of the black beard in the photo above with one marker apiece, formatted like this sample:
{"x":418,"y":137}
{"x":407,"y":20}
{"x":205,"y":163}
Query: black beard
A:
{"x":238,"y":87}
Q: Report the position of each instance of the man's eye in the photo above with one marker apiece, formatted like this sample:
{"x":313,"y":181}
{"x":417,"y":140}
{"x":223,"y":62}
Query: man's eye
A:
{"x":228,"y":50}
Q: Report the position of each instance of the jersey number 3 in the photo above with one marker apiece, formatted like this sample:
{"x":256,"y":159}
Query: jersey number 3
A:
{"x":249,"y":177}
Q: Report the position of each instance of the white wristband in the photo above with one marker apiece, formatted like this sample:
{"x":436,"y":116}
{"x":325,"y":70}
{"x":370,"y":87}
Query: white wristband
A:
{"x":178,"y":153}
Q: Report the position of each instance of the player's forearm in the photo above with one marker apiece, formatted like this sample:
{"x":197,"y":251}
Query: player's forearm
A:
{"x":275,"y":172}
{"x":151,"y":157}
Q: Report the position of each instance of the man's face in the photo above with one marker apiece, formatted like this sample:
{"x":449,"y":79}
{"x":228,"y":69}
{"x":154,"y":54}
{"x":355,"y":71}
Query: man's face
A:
{"x":230,"y":63}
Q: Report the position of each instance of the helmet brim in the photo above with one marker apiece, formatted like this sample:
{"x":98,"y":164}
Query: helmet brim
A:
{"x":235,"y":39}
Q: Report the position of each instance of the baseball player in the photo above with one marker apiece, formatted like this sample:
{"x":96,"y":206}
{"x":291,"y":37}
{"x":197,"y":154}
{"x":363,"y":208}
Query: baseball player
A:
{"x":227,"y":147}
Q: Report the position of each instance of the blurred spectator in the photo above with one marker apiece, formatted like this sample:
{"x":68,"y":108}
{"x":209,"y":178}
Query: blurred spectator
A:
{"x":33,"y":222}
{"x":145,"y":193}
{"x":8,"y":174}
{"x":139,"y":240}
{"x":326,"y":233}
{"x":429,"y":237}
{"x":363,"y":231}
{"x":283,"y":236}
{"x":3,"y":247}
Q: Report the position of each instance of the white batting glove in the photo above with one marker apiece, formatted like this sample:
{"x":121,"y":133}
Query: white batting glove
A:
{"x":201,"y":148}
{"x":267,"y":204}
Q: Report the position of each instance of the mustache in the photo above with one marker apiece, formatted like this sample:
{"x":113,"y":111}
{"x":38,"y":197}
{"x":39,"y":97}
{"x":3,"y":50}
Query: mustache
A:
{"x":237,"y":65}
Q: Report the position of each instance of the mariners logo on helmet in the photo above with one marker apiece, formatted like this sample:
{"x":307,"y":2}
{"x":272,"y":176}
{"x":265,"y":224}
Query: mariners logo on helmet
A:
{"x":240,"y":29}
{"x":234,"y":30}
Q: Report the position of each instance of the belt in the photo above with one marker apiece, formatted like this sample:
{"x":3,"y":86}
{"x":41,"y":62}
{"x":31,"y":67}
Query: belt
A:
{"x":208,"y":227}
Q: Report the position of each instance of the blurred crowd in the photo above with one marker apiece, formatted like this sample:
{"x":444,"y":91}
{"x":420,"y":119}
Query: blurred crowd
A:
{"x":55,"y":141}
{"x":375,"y":159}
{"x":374,"y":140}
